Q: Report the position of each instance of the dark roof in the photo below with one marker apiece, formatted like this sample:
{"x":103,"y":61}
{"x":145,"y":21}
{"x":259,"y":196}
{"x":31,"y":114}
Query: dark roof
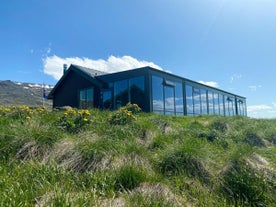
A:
{"x":87,"y":73}
{"x":90,"y":74}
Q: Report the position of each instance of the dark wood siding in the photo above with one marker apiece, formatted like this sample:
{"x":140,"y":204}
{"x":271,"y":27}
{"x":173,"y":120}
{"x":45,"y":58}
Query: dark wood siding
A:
{"x":68,"y":93}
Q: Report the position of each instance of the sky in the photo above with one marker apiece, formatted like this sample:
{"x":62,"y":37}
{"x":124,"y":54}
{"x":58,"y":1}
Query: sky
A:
{"x":229,"y":44}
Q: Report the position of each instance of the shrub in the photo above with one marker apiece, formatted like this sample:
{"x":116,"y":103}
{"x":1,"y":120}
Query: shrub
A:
{"x":124,"y":115}
{"x":21,"y":113}
{"x":74,"y":120}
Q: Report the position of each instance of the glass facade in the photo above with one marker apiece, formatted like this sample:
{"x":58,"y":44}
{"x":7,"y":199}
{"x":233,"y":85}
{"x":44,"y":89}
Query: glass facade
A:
{"x":137,"y":91}
{"x":189,"y":100}
{"x":221,"y":105}
{"x":203,"y":100}
{"x":167,"y":96}
{"x":107,"y":99}
{"x":179,"y":106}
{"x":211,"y":109}
{"x":229,"y":102}
{"x":171,"y":96}
{"x":157,"y":94}
{"x":86,"y":98}
{"x":121,"y":95}
{"x":241,"y":107}
{"x":216,"y":102}
{"x":128,"y":90}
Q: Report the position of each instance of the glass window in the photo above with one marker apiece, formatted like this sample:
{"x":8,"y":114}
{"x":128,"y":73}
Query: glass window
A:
{"x":196,"y":96}
{"x":107,"y":99}
{"x":216,"y":103}
{"x":157,"y":94}
{"x":203,"y":98}
{"x":121,"y":93}
{"x":229,"y":105}
{"x":241,"y":107}
{"x":86,"y":98}
{"x":211,"y":102}
{"x":137,"y":91}
{"x":179,"y":99}
{"x":169,"y":100}
{"x":189,"y":100}
{"x":221,"y":105}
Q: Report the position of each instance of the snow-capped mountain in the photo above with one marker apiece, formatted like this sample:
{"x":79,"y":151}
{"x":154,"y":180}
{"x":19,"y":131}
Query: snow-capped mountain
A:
{"x":16,"y":93}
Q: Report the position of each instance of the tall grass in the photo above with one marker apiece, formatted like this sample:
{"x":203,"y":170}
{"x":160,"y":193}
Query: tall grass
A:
{"x":106,"y":159}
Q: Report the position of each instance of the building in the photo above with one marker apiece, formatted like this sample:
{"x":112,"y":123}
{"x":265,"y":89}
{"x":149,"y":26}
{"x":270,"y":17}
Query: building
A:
{"x":153,"y":90}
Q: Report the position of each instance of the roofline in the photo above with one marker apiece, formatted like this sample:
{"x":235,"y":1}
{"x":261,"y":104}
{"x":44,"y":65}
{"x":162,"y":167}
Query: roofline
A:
{"x":78,"y":70}
{"x":176,"y":76}
{"x":86,"y":75}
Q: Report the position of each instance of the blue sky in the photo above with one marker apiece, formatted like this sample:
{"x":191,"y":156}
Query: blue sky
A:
{"x":229,"y":44}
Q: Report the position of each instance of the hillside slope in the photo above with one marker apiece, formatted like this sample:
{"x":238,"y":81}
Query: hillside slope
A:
{"x":15,"y":93}
{"x":124,"y":158}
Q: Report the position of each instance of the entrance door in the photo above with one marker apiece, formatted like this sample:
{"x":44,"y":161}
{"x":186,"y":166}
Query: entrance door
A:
{"x":169,"y":100}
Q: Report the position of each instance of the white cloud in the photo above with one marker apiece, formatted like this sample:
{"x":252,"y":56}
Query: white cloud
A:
{"x":53,"y":65}
{"x":254,"y":88}
{"x":210,"y":83}
{"x":258,"y":108}
{"x":261,"y":111}
{"x":235,"y":77}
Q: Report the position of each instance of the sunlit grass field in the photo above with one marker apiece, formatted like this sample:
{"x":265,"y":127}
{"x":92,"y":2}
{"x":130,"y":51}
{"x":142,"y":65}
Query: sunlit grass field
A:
{"x":130,"y":158}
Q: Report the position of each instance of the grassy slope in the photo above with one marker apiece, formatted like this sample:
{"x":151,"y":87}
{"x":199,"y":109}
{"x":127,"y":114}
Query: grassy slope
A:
{"x":153,"y":161}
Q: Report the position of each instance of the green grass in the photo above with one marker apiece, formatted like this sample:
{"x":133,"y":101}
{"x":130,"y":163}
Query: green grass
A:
{"x":152,"y":160}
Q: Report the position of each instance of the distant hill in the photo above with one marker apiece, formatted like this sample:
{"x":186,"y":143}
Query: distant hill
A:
{"x":16,"y":93}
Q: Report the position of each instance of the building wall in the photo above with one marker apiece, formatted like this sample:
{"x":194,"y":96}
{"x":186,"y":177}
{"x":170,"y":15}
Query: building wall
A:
{"x":167,"y":94}
{"x":68,"y":93}
{"x":128,"y":86}
{"x":171,"y":94}
{"x":154,"y":91}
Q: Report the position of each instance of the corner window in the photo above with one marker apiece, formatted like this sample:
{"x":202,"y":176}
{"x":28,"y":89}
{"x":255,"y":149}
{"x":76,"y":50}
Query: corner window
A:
{"x":121,"y":93}
{"x":137,"y":91}
{"x":86,"y":98}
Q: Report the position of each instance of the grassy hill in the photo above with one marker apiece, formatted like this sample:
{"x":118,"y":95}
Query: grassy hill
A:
{"x":126,"y":158}
{"x":15,"y":93}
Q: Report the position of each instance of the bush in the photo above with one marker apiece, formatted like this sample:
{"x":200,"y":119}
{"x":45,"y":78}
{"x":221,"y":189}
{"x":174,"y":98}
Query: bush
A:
{"x":124,"y":115}
{"x":21,"y":113}
{"x":74,"y":120}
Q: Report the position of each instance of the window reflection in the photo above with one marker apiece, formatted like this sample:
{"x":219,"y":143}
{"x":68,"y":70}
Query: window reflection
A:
{"x":169,"y":100}
{"x":203,"y":99}
{"x":221,"y":105}
{"x":196,"y":96}
{"x":137,"y":91}
{"x":216,"y":103}
{"x":241,"y":107}
{"x":86,"y":98}
{"x":189,"y":100}
{"x":229,"y":105}
{"x":157,"y":94}
{"x":179,"y":98}
{"x":107,"y":99}
{"x":211,"y":102}
{"x":121,"y":93}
